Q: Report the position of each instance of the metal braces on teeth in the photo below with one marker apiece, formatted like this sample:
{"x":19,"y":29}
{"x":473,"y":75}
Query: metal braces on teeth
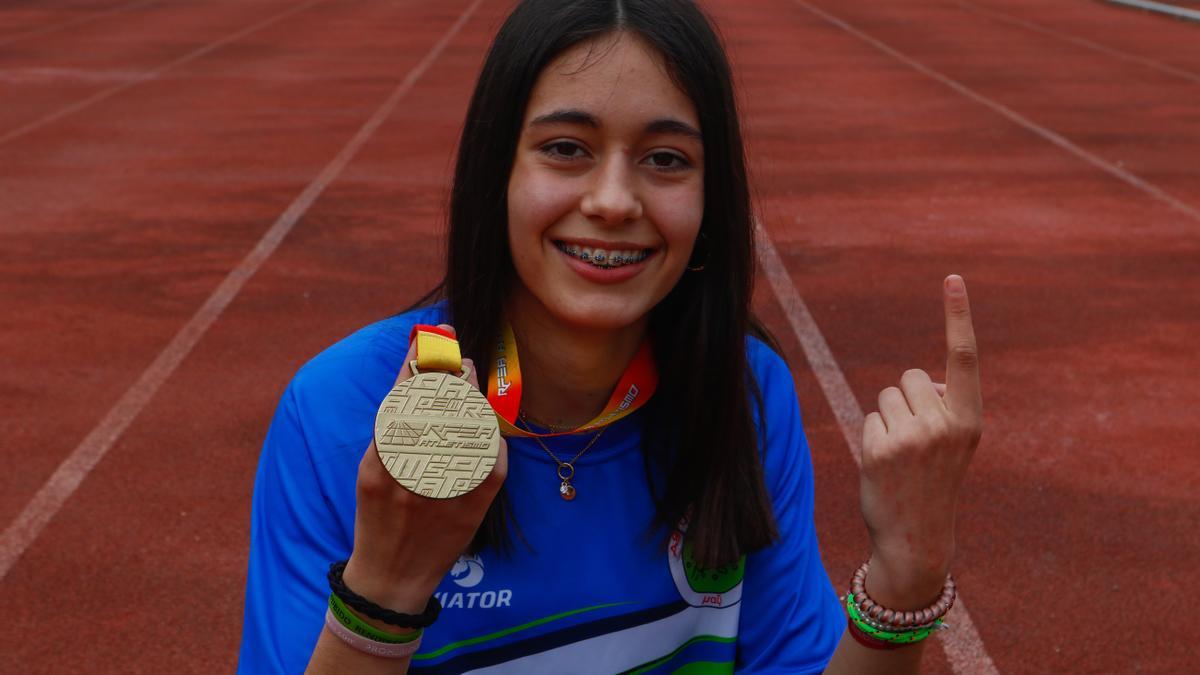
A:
{"x":600,"y":258}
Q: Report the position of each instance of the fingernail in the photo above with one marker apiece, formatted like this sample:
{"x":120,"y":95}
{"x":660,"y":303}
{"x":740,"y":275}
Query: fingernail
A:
{"x":955,"y":285}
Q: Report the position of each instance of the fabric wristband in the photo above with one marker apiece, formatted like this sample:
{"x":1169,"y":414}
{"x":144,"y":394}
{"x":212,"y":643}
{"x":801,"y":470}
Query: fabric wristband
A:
{"x":362,"y":644}
{"x":352,"y":622}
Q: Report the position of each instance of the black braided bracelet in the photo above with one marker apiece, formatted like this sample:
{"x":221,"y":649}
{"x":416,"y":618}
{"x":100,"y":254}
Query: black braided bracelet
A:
{"x":368,"y":608}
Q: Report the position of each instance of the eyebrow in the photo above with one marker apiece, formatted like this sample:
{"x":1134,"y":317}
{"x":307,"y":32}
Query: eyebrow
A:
{"x":659,"y":126}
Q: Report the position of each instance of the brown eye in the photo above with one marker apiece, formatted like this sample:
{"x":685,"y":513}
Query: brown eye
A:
{"x":561,"y":149}
{"x":668,"y":161}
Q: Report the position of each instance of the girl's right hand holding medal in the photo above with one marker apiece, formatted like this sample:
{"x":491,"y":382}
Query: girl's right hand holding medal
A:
{"x":404,"y":543}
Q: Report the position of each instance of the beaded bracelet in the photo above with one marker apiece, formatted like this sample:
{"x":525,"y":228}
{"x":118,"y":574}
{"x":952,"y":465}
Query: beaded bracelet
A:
{"x":902,"y":637}
{"x":897,"y":621}
{"x":880,"y":626}
{"x":866,"y":640}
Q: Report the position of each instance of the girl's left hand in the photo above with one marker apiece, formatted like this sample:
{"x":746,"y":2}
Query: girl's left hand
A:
{"x":916,"y":449}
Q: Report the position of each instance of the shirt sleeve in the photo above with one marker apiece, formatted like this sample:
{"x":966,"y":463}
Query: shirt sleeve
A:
{"x":294,"y":535}
{"x":791,"y":619}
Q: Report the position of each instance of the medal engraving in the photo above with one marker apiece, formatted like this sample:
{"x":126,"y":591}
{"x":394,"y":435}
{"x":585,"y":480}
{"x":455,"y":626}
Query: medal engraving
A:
{"x":437,"y":435}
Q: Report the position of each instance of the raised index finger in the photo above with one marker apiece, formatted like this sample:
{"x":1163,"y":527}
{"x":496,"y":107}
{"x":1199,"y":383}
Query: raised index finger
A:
{"x":962,"y":359}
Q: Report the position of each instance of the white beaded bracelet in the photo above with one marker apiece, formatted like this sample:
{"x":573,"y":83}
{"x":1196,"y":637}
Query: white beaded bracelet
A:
{"x":362,"y":644}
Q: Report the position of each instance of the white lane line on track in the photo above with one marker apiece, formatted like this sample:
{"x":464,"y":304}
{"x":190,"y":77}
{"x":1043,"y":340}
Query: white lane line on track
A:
{"x":46,"y":75}
{"x":1082,"y":42}
{"x":962,"y":644}
{"x":1161,"y":8}
{"x":77,"y":21}
{"x":1013,"y":116}
{"x":75,"y":468}
{"x":151,"y":74}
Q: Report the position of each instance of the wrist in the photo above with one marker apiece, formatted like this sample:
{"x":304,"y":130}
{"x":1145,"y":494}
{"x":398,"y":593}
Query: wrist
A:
{"x":406,"y":595}
{"x":905,"y":585}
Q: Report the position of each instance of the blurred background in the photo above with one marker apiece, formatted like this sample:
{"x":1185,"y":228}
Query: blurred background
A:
{"x":197,"y":196}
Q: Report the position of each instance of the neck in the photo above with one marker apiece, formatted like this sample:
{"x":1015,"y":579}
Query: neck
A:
{"x":568,"y":372}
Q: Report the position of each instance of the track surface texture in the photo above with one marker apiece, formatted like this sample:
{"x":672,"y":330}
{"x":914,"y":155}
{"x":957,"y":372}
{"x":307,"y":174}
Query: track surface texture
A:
{"x":1044,"y":150}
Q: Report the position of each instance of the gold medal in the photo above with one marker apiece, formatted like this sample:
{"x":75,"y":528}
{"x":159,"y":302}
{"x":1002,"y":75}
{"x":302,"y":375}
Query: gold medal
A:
{"x":436,"y":433}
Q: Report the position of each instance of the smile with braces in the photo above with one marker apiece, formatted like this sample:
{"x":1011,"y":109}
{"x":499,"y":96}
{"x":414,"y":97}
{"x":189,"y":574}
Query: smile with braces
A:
{"x":599,"y":257}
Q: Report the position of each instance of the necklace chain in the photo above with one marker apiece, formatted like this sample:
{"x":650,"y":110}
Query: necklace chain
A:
{"x":527,"y":418}
{"x":566,"y":470}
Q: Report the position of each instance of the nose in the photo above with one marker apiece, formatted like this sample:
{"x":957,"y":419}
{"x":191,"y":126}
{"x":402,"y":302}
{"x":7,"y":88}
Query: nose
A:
{"x":612,"y":196}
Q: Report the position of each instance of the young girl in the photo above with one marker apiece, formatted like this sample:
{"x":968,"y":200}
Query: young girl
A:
{"x":650,"y":508}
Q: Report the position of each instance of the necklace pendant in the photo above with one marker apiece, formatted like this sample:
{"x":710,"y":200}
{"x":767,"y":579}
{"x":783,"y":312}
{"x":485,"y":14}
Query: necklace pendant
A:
{"x":566,"y":491}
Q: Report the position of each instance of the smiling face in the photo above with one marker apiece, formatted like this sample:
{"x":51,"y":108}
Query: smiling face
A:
{"x":606,"y":193}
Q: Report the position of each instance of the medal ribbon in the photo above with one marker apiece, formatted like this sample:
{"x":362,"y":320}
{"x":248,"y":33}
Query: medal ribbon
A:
{"x":437,"y":349}
{"x":633,"y":390}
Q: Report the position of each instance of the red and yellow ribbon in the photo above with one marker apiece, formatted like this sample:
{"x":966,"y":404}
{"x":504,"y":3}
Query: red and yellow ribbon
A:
{"x":437,"y":349}
{"x":633,"y":390}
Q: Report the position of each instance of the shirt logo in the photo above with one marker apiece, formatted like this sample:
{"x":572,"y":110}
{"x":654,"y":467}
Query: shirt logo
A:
{"x":698,"y":586}
{"x":467,"y":571}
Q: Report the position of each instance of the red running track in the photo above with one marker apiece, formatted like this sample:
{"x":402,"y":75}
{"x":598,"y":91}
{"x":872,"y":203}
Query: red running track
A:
{"x":118,"y":220}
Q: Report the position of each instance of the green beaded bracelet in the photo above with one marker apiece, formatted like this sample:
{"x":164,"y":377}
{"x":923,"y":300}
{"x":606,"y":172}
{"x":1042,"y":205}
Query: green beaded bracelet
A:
{"x":352,"y":622}
{"x":906,"y":637}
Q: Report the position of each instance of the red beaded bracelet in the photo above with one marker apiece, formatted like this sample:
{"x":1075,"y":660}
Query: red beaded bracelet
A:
{"x":899,"y":621}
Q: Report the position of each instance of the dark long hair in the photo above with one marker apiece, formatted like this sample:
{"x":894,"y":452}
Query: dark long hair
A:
{"x":699,"y":431}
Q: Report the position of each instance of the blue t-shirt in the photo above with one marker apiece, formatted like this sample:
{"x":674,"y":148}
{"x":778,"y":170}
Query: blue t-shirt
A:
{"x":585,"y":590}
